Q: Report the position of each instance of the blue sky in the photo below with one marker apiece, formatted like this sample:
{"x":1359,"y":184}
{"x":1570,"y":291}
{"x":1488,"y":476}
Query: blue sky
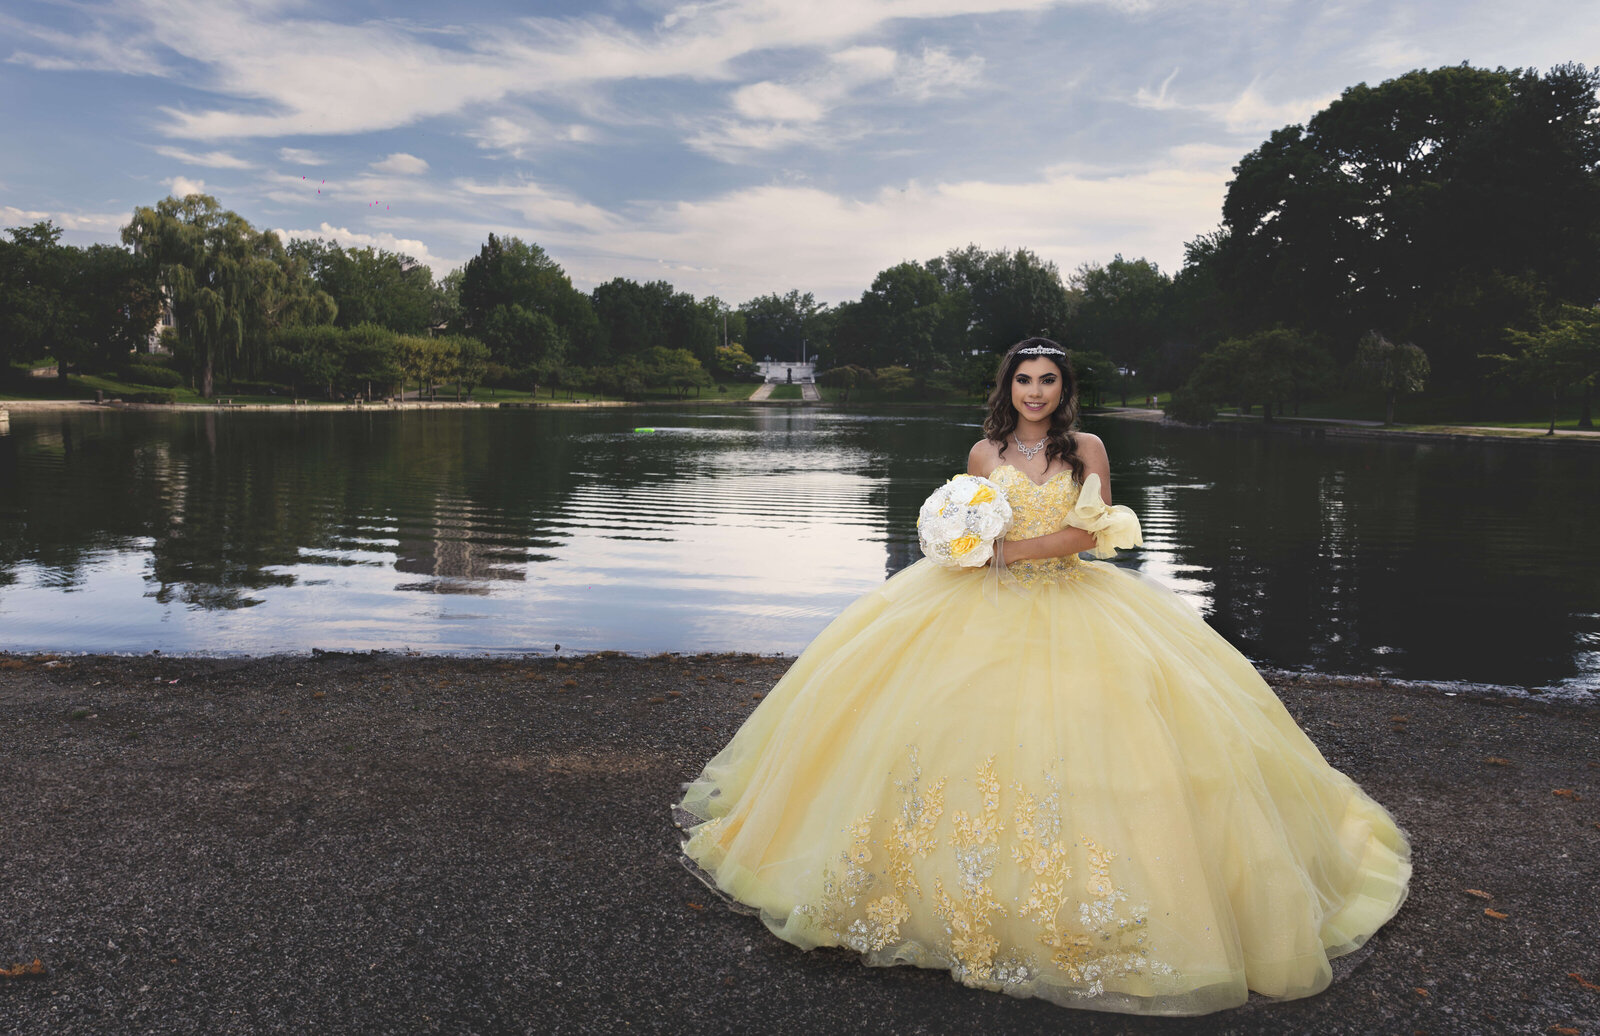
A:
{"x":732,"y":148}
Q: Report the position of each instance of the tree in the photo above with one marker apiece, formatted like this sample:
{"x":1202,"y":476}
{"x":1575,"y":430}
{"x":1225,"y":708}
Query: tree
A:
{"x":226,"y":282}
{"x":845,"y":379}
{"x":1562,"y":353}
{"x":731,"y":361}
{"x":1431,"y":192}
{"x":518,"y":336}
{"x":784,"y":326}
{"x":894,"y":381}
{"x":372,"y":286}
{"x":1124,"y":310}
{"x":1096,"y":373}
{"x":1267,"y":367}
{"x":94,"y":305}
{"x":1004,"y":296}
{"x":371,"y":358}
{"x":508,"y":273}
{"x":311,"y":356}
{"x":472,"y":364}
{"x":631,"y":317}
{"x":905,"y":319}
{"x":676,"y":369}
{"x":1395,"y":368}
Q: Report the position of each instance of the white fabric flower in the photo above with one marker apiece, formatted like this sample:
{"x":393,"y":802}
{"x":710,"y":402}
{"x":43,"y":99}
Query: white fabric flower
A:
{"x":958,"y":524}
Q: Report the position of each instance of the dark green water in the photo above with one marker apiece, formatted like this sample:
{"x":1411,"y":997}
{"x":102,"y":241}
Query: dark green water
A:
{"x":747,"y":529}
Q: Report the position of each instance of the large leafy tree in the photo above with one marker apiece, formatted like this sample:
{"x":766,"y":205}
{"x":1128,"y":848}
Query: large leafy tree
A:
{"x":785,"y":326}
{"x":92,"y":305}
{"x":1007,"y":296}
{"x":372,"y":286}
{"x":1457,"y":191}
{"x":1124,"y":309}
{"x":904,"y":319}
{"x":632,"y":317}
{"x":508,"y":273}
{"x":1275,"y":366}
{"x":229,"y":285}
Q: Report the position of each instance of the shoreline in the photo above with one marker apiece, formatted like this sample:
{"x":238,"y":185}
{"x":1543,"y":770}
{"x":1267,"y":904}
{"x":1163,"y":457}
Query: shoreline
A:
{"x":357,"y":842}
{"x":1576,"y":697}
{"x":1310,"y":427}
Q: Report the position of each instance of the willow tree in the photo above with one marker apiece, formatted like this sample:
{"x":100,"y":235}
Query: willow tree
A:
{"x":1394,"y":367}
{"x":228,"y":284}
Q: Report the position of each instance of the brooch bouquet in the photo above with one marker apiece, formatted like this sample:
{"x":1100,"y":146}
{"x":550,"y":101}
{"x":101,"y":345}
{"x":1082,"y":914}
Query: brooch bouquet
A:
{"x":960,"y":521}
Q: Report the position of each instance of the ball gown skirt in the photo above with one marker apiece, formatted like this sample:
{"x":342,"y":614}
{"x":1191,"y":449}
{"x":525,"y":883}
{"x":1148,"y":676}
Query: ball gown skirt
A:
{"x":1073,"y":789}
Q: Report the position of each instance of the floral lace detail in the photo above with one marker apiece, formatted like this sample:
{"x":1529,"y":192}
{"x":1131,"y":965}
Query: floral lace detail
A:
{"x":976,"y":841}
{"x":1085,"y":929}
{"x":1038,"y":510}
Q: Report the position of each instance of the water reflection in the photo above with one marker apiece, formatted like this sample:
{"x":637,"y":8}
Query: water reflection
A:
{"x":720,"y":529}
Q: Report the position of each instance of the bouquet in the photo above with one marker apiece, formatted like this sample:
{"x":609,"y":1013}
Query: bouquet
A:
{"x":959,"y":523}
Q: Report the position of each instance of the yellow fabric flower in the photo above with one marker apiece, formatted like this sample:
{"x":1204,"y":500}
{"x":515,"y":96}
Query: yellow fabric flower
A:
{"x":964,"y":545}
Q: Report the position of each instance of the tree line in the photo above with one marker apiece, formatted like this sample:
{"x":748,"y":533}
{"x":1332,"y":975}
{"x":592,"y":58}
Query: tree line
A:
{"x":1439,"y":229}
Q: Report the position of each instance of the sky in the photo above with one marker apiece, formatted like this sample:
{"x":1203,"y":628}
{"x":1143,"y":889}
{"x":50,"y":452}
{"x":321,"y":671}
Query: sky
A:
{"x":732,"y":147}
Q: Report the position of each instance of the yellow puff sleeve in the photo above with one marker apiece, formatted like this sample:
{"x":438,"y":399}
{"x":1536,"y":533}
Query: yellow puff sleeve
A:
{"x":1114,"y":528}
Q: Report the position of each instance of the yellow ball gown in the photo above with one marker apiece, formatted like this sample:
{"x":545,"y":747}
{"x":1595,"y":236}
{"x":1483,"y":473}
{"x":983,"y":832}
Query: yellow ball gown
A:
{"x":1073,"y":789}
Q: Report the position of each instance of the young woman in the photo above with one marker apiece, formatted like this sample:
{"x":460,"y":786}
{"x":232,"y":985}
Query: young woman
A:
{"x":1071,"y":788}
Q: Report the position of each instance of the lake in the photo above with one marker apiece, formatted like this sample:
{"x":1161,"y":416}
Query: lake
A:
{"x":745,"y":528}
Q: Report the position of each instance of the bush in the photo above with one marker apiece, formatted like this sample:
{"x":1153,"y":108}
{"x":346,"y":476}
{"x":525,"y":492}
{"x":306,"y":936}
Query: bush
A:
{"x":1190,"y":408}
{"x":150,"y":397}
{"x":150,"y":374}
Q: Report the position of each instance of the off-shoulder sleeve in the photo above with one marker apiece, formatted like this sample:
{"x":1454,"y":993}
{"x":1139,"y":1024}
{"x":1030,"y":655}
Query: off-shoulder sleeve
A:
{"x":1114,"y":528}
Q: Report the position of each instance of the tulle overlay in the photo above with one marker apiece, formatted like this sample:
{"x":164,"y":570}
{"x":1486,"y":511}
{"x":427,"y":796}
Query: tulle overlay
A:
{"x":1075,"y":790}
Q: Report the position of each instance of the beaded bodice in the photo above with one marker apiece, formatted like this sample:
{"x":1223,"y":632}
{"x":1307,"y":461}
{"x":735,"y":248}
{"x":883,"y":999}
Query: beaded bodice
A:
{"x":1038,"y":510}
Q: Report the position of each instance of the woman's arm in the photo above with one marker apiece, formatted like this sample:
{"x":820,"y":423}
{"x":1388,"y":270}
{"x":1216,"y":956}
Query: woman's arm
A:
{"x":1068,"y":541}
{"x":980,"y":459}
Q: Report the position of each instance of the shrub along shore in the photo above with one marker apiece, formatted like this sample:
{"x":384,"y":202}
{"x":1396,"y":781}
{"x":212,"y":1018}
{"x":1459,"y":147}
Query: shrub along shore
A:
{"x":380,"y":843}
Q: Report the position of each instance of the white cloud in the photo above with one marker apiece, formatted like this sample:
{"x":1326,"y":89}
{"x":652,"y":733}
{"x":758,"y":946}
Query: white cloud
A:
{"x":776,"y":103}
{"x":300,"y":156}
{"x":1251,"y":110}
{"x":772,"y":238}
{"x":101,"y":224}
{"x":541,"y":206}
{"x":211,"y":159}
{"x":98,"y":49}
{"x":937,"y":73}
{"x":517,"y":134}
{"x":310,"y":75}
{"x":1157,"y":100}
{"x":730,"y":140}
{"x":182,"y":186}
{"x":401,"y":164}
{"x":347,"y":238}
{"x":770,"y":115}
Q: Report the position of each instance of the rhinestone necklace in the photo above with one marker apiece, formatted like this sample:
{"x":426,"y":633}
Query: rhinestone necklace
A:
{"x":1029,"y":451}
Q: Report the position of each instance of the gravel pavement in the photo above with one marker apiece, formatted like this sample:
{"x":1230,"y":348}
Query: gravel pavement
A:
{"x":389,"y":844}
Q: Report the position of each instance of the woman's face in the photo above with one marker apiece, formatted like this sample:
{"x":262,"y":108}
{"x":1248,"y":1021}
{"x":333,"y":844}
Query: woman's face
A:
{"x":1036,"y":388}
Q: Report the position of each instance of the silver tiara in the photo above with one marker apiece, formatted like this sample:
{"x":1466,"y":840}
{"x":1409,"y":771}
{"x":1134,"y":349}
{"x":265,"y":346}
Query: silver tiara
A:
{"x":1040,"y":350}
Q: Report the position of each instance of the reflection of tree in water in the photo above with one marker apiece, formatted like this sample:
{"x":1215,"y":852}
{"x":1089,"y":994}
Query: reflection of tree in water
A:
{"x":73,"y":488}
{"x":1351,"y":556}
{"x":1417,"y":551}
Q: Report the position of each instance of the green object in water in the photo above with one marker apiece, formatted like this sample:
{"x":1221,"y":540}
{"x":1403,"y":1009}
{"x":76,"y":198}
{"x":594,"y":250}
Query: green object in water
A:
{"x":644,"y":431}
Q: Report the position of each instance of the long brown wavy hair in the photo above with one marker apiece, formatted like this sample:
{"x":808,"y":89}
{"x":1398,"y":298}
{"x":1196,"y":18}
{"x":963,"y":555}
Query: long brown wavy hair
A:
{"x":1001,"y":420}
